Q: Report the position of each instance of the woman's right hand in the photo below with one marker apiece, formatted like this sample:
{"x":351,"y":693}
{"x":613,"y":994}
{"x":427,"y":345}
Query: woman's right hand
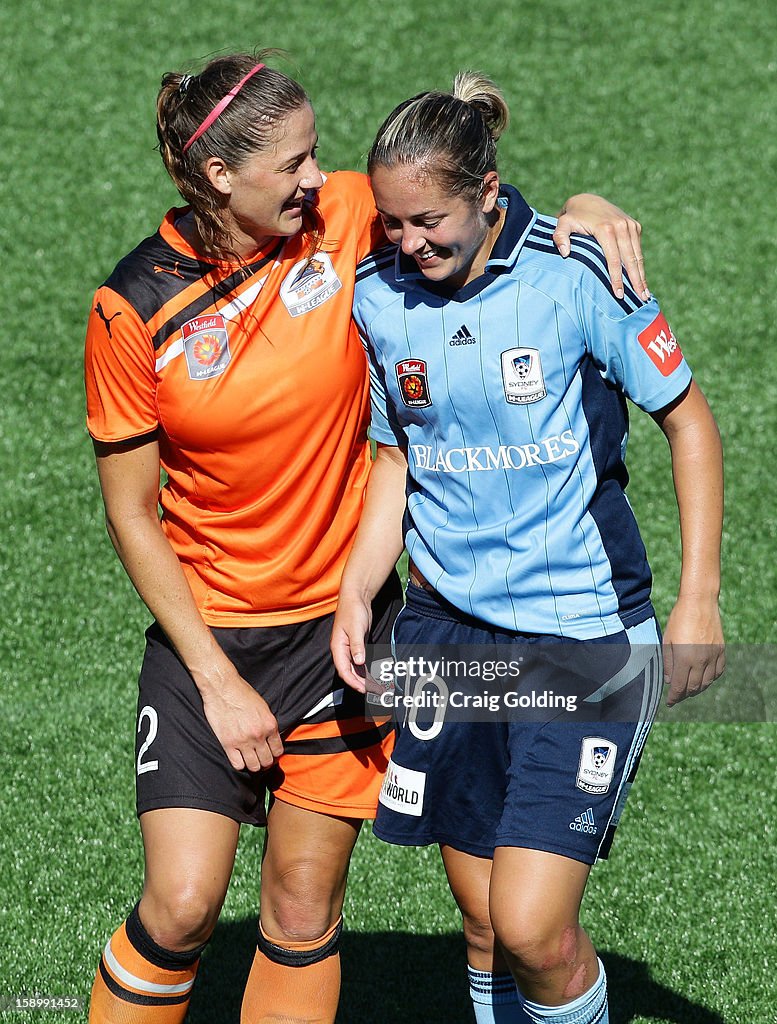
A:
{"x":241,"y":720}
{"x":239,"y":717}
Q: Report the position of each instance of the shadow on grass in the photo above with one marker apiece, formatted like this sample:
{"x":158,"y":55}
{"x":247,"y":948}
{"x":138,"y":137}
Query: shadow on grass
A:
{"x":415,"y":979}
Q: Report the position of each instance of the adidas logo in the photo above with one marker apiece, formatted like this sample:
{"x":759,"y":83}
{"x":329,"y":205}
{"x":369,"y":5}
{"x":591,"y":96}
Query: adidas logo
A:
{"x":463,"y":337}
{"x":585,"y":823}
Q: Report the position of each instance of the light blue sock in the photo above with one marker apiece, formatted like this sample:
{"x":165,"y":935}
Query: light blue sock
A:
{"x":495,"y":998}
{"x":590,"y":1008}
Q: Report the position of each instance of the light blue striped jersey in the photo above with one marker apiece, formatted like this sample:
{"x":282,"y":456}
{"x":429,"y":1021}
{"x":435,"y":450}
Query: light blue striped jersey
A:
{"x":508,"y":396}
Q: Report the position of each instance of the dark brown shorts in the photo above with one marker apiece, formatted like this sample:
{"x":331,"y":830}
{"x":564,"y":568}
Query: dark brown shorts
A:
{"x":333,"y":759}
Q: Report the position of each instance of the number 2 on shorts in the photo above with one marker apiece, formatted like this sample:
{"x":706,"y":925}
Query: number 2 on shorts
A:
{"x":153,"y":723}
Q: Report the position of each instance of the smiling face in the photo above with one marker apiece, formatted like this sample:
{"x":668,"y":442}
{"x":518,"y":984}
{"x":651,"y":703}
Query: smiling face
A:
{"x":449,"y":236}
{"x":266,"y":194}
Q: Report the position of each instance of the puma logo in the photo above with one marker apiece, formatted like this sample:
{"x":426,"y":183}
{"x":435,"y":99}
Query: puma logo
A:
{"x":105,"y":319}
{"x":175,"y":271}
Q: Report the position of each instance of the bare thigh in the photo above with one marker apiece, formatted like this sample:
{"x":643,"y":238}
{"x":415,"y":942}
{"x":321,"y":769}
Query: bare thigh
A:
{"x":304,"y":871}
{"x":189,"y":858}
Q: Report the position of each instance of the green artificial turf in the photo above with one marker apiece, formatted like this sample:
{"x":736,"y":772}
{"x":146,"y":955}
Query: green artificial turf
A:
{"x":669,"y":110}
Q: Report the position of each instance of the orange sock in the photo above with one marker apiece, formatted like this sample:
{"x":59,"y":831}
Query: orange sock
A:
{"x":294,"y":982}
{"x":138,"y":982}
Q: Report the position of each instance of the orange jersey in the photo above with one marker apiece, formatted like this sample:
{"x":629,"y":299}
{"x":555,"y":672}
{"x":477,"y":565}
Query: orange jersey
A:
{"x":255,"y":384}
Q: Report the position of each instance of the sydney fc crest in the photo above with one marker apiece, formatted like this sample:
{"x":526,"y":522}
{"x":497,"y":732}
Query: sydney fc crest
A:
{"x":597,"y":764}
{"x":522,"y":376}
{"x":413,"y":385}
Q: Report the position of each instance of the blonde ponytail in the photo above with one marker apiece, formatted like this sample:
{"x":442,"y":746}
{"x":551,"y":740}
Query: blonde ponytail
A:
{"x":451,"y":136}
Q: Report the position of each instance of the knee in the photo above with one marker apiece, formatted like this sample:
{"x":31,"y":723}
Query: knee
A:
{"x":297,"y":904}
{"x":536,"y":948}
{"x":478,"y":934}
{"x":180,"y":918}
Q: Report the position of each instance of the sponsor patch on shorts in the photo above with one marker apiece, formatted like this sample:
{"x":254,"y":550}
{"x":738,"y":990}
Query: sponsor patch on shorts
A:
{"x":403,"y":790}
{"x":597,"y":764}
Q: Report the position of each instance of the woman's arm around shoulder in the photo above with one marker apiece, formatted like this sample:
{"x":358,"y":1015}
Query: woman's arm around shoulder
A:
{"x":617,"y":233}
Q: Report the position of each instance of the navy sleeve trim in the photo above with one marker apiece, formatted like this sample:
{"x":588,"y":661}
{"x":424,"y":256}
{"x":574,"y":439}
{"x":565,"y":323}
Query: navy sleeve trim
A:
{"x":594,"y":250}
{"x":626,"y":304}
{"x":375,"y":262}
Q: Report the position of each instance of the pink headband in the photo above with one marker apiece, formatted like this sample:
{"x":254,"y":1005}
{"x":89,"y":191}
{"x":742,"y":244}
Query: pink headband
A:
{"x":221,"y":106}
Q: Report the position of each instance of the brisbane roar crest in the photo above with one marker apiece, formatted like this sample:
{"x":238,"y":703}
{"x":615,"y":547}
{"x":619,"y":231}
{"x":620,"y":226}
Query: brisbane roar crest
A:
{"x":413,"y":385}
{"x":309,"y":283}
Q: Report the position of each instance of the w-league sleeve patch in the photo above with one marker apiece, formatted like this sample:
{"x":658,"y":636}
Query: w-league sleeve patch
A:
{"x":659,"y":342}
{"x":413,"y":385}
{"x":206,"y":344}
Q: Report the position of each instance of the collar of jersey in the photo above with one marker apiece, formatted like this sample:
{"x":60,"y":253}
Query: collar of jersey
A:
{"x":174,"y":238}
{"x":519,"y":220}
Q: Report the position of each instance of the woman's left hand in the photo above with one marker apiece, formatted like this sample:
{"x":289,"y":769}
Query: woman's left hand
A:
{"x":694,"y":653}
{"x":350,"y":630}
{"x":616,"y":232}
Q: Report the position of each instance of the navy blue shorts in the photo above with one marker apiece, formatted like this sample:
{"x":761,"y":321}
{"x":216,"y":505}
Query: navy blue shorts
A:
{"x":535,"y":745}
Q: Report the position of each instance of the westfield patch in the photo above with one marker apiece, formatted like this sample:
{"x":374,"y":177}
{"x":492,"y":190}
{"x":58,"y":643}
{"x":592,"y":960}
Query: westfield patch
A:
{"x":413,"y":385}
{"x":206,"y":344}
